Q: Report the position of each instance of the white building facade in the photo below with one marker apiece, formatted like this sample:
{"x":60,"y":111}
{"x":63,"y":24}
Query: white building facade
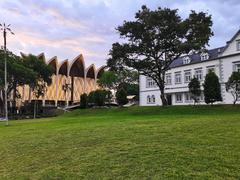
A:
{"x":223,"y":61}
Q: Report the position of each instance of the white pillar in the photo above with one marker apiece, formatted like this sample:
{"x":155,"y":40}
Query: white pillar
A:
{"x":56,"y":96}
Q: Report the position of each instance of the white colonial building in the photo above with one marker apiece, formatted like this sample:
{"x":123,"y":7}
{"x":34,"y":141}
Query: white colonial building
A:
{"x":223,"y":61}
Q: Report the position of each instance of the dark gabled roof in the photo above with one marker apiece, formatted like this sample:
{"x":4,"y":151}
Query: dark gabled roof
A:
{"x":235,"y":35}
{"x":196,"y":58}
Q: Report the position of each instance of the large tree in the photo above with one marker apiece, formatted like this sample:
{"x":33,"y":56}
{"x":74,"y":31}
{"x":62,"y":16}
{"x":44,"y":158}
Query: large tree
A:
{"x":156,"y":38}
{"x":43,"y":76}
{"x":18,"y":74}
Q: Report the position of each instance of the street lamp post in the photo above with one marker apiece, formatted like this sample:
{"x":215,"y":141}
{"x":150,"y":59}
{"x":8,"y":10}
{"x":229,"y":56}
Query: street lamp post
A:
{"x":5,"y":28}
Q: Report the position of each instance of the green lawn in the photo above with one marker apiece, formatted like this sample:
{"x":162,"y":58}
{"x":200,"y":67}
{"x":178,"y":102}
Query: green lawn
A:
{"x":135,"y":143}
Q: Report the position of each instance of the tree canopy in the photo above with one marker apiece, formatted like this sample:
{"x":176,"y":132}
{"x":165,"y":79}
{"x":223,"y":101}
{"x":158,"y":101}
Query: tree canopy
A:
{"x":28,"y":70}
{"x":212,"y":88}
{"x":158,"y":37}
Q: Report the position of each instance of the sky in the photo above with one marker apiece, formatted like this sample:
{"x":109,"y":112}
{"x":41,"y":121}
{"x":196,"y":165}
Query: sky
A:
{"x":67,"y":28}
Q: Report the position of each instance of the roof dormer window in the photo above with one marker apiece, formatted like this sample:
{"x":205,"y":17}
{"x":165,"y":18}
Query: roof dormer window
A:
{"x":204,"y":56}
{"x":238,"y":45}
{"x":186,"y":60}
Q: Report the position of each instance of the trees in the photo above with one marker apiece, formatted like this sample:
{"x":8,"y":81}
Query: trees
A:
{"x":42,"y":78}
{"x":84,"y":101}
{"x":121,"y":96}
{"x":194,"y":89}
{"x":28,"y":70}
{"x":98,"y":97}
{"x":108,"y":80}
{"x":156,"y":38}
{"x":212,"y":88}
{"x":233,"y":86}
{"x":18,"y":75}
{"x":43,"y":74}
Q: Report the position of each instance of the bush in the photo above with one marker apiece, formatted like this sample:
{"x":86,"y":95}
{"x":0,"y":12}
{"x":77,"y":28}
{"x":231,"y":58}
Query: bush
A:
{"x":84,"y":101}
{"x":98,"y":97}
{"x":194,"y":89}
{"x":233,"y":86}
{"x":121,"y":96}
{"x":212,"y":88}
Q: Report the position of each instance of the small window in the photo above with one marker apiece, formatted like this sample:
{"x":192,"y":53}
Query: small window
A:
{"x":204,"y":56}
{"x":210,"y":69}
{"x":201,"y":97}
{"x":150,"y":83}
{"x":238,"y":45}
{"x":186,"y":60}
{"x":178,"y":78}
{"x":188,"y":97}
{"x":178,"y":98}
{"x":237,"y":67}
{"x":153,"y":99}
{"x":187,"y":76}
{"x":168,"y":79}
{"x":148,"y":99}
{"x":199,"y":74}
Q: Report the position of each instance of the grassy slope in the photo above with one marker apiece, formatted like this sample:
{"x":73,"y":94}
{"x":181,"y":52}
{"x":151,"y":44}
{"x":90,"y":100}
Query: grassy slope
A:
{"x":136,"y":143}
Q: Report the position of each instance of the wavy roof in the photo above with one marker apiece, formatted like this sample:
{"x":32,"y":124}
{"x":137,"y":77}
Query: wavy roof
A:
{"x":75,"y":67}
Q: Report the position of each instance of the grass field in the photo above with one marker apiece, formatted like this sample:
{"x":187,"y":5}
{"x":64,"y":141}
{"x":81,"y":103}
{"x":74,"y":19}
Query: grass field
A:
{"x":135,"y":143}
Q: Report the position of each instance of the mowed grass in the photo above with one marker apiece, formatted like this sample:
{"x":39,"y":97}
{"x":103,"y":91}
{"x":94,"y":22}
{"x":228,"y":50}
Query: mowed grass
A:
{"x":127,"y":143}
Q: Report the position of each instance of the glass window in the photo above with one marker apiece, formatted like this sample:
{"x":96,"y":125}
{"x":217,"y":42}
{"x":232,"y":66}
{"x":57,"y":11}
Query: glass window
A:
{"x":188,"y":97}
{"x":204,"y":56}
{"x":153,"y":99}
{"x":199,"y":74}
{"x":237,"y":67}
{"x":150,"y":83}
{"x":178,"y":97}
{"x":168,"y":79}
{"x":238,"y":45}
{"x":148,"y":99}
{"x":201,"y":97}
{"x":187,"y":76}
{"x":186,"y":60}
{"x":211,"y":68}
{"x":178,"y":78}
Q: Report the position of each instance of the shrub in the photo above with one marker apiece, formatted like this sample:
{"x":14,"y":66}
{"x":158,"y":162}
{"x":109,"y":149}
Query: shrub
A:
{"x":121,"y":96}
{"x":194,"y":89}
{"x":84,"y":101}
{"x":98,"y":97}
{"x":212,"y":88}
{"x":233,"y":86}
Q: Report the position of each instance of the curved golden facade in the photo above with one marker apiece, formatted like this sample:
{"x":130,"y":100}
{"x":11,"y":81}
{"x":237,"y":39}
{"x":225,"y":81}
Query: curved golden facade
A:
{"x":70,"y":80}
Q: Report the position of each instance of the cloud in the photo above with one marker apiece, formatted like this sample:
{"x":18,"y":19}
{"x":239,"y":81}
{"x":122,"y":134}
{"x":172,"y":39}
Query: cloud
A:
{"x":68,"y":27}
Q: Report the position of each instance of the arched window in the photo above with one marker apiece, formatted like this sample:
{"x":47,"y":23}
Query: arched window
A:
{"x":148,"y":99}
{"x":153,"y":99}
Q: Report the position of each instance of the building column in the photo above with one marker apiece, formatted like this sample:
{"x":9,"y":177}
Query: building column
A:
{"x":95,"y":84}
{"x":43,"y":102}
{"x":67,"y":92}
{"x":56,"y":97}
{"x":85,"y":84}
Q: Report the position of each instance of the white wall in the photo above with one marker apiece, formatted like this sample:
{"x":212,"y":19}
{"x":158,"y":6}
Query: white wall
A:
{"x":223,"y":68}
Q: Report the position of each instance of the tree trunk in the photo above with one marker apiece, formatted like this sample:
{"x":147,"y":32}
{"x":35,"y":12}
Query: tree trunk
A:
{"x":34,"y":111}
{"x":14,"y":98}
{"x":162,"y":96}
